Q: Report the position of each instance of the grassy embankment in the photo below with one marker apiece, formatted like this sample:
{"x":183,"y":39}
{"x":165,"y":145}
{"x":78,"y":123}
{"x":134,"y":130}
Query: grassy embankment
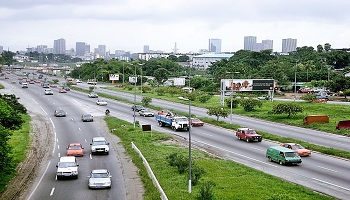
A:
{"x":232,"y":180}
{"x":335,"y":113}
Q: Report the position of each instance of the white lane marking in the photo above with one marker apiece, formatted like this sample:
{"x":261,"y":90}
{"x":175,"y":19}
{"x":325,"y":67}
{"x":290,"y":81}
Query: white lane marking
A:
{"x":327,"y":169}
{"x":52,"y":123}
{"x":257,"y":149}
{"x":58,"y":146}
{"x":90,"y":156}
{"x":79,"y":129}
{"x":51,"y":193}
{"x":41,"y":178}
{"x":59,"y":155}
{"x":344,"y":188}
{"x":207,"y":134}
{"x":43,"y":110}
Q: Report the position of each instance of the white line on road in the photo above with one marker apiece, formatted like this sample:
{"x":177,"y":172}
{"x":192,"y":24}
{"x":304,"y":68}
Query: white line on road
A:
{"x":58,"y":146}
{"x":327,"y":169}
{"x":85,"y":140}
{"x":41,"y":178}
{"x":59,"y":155}
{"x":51,"y":193}
{"x":207,"y":134}
{"x":344,"y":188}
{"x":90,"y":156}
{"x":79,"y":129}
{"x":257,"y":149}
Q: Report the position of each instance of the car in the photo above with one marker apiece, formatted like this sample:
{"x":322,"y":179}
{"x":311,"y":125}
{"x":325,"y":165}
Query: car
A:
{"x":37,"y":81}
{"x":99,"y":145}
{"x":62,"y":90}
{"x":164,"y":112}
{"x":101,"y":102}
{"x":100,"y":178}
{"x":87,"y":118}
{"x":24,"y":85}
{"x":146,"y":113}
{"x":45,"y":85}
{"x":6,"y":77}
{"x":31,"y":82}
{"x":93,"y":95}
{"x":137,"y":108}
{"x":66,"y":88}
{"x":78,"y":81}
{"x":75,"y":149}
{"x":297,"y":148}
{"x":67,"y":167}
{"x":196,"y":122}
{"x":53,"y":86}
{"x":263,"y":97}
{"x":282,"y":155}
{"x":48,"y":92}
{"x":60,"y":113}
{"x":248,"y":135}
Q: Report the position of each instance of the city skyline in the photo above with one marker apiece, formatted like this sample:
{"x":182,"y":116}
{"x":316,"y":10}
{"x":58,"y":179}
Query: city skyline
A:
{"x":129,"y":25}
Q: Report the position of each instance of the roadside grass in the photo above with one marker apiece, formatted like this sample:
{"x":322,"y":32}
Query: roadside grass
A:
{"x":19,"y":142}
{"x":232,"y":180}
{"x":312,"y":108}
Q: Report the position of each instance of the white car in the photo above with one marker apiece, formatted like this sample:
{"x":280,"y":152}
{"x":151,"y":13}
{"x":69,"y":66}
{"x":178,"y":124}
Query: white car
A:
{"x":101,"y":102}
{"x":93,"y":95}
{"x":48,"y":92}
{"x":146,"y":113}
{"x":99,"y":145}
{"x":78,"y":81}
{"x":100,"y":178}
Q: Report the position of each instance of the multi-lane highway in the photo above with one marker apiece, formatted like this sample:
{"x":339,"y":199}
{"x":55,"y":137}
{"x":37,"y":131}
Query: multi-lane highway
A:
{"x":322,"y":173}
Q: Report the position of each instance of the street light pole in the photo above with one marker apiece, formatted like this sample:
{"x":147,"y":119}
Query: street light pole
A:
{"x":141,"y":64}
{"x":295,"y":80}
{"x":231,"y":94}
{"x":123,"y":74}
{"x":135,"y":98}
{"x":189,"y":139}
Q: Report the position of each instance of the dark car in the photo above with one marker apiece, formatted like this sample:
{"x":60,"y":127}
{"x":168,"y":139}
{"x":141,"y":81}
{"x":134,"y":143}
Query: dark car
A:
{"x":60,"y":113}
{"x":137,"y":108}
{"x":66,"y":88}
{"x":87,"y":118}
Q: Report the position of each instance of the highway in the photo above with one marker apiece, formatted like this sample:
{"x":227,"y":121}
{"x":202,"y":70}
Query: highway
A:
{"x":319,"y":172}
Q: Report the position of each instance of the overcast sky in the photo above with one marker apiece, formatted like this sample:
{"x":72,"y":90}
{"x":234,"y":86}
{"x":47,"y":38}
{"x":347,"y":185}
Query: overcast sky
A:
{"x":131,"y":24}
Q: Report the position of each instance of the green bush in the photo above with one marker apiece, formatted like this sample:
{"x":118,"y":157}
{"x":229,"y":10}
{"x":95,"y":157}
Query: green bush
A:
{"x":204,"y":98}
{"x":178,"y":161}
{"x":235,"y":102}
{"x":146,"y":101}
{"x":308,"y":97}
{"x":196,"y":173}
{"x":250,"y":104}
{"x":206,"y":191}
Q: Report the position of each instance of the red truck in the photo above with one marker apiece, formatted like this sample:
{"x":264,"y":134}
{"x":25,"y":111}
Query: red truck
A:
{"x":248,"y":135}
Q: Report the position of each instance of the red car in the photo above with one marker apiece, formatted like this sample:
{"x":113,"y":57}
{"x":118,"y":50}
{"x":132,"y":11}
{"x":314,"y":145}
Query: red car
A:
{"x":196,"y":122}
{"x":297,"y":148}
{"x":248,"y":135}
{"x":62,"y":91}
{"x":75,"y":149}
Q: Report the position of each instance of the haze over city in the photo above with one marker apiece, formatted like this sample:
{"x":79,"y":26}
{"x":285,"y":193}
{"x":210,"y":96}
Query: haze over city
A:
{"x":129,"y":25}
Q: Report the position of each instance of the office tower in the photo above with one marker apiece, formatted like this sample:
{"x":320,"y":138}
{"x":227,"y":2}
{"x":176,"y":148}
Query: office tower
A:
{"x":215,"y":45}
{"x":289,"y":45}
{"x":80,"y":48}
{"x":249,"y":43}
{"x":146,"y":49}
{"x":59,"y":46}
{"x":102,"y":50}
{"x":41,"y":48}
{"x":267,"y":44}
{"x":1,"y":49}
{"x":87,"y":48}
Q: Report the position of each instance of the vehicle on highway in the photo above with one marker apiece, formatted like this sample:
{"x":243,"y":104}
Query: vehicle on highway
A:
{"x":248,"y":134}
{"x":196,"y":122}
{"x":53,"y":86}
{"x":60,"y":113}
{"x":93,"y":95}
{"x":87,"y":118}
{"x":75,"y":149}
{"x":146,"y":113}
{"x":137,"y":108}
{"x":297,"y":148}
{"x":100,"y":178}
{"x":67,"y":167}
{"x":99,"y":145}
{"x":61,"y":90}
{"x":24,"y":85}
{"x":282,"y":155}
{"x":48,"y":92}
{"x":31,"y":82}
{"x":45,"y":85}
{"x":164,"y":112}
{"x":101,"y":102}
{"x":6,"y":77}
{"x":107,"y":112}
{"x":175,"y":122}
{"x":78,"y":81}
{"x":66,"y":88}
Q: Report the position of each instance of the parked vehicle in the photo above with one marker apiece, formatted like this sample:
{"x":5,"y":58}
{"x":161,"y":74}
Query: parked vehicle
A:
{"x":282,"y":155}
{"x":175,"y":122}
{"x":297,"y":148}
{"x":99,"y":145}
{"x":67,"y":167}
{"x":100,"y":178}
{"x":248,"y":135}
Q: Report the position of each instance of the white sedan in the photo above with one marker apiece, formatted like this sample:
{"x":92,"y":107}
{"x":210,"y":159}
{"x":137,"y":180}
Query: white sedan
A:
{"x":100,"y":178}
{"x":146,"y":113}
{"x":101,"y":102}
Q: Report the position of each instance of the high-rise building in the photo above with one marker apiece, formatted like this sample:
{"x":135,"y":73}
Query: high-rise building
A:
{"x":289,"y":45}
{"x":249,"y":43}
{"x":59,"y":46}
{"x":41,"y":48}
{"x":145,"y":48}
{"x":1,"y":49}
{"x":267,"y":44}
{"x":215,"y":45}
{"x":102,"y":50}
{"x":80,"y":48}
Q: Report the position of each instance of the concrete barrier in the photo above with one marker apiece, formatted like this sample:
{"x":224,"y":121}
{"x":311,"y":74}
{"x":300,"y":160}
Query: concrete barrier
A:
{"x":316,"y":119}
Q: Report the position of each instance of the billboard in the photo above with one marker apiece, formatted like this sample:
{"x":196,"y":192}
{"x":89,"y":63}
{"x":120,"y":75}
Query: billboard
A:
{"x":114,"y":77}
{"x":179,"y":81}
{"x":247,"y":84}
{"x":132,"y":79}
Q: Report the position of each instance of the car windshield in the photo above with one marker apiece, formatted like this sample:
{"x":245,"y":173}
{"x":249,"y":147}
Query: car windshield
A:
{"x":87,"y":116}
{"x":99,"y":175}
{"x":291,"y":154}
{"x":195,"y":120}
{"x":297,"y":146}
{"x":250,"y":132}
{"x":66,"y":164}
{"x":99,"y":142}
{"x":184,"y":119}
{"x":74,"y":147}
{"x":60,"y":111}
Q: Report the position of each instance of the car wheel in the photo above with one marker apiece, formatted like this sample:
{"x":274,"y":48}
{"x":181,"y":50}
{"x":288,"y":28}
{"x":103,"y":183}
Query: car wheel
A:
{"x":270,"y":159}
{"x":247,"y":140}
{"x":280,"y":162}
{"x":239,"y":138}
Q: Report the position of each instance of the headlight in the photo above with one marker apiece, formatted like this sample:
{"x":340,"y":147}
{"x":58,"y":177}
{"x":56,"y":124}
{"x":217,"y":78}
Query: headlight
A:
{"x":74,"y":172}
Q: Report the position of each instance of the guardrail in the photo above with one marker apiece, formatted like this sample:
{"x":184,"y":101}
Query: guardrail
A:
{"x":150,"y":173}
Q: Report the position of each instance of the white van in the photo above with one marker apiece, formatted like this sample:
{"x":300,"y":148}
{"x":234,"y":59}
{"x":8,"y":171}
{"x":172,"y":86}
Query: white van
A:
{"x":24,"y":85}
{"x":67,"y":167}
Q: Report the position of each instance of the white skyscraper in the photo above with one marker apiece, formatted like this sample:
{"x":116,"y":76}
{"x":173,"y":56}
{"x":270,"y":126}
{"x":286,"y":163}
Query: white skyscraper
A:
{"x":102,"y":50}
{"x":249,"y":43}
{"x":289,"y":45}
{"x":267,"y":44}
{"x":215,"y":45}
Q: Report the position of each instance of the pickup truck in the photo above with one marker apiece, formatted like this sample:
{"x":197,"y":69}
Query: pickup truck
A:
{"x":175,"y":122}
{"x":248,"y":135}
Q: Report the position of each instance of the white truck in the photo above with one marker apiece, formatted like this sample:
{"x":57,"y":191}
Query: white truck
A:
{"x":175,"y":122}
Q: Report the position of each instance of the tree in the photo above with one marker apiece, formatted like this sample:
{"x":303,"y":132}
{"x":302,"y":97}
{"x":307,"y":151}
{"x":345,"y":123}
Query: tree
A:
{"x":319,"y":48}
{"x":235,"y":102}
{"x":339,"y":83}
{"x":8,"y":57}
{"x":146,"y":101}
{"x":218,"y":112}
{"x":327,"y":47}
{"x":287,"y":108}
{"x":161,"y":75}
{"x":250,"y":104}
{"x":9,"y":117}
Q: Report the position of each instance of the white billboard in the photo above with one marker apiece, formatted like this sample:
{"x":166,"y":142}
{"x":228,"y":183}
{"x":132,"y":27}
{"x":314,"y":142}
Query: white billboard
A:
{"x":179,"y":81}
{"x":132,"y":79}
{"x":114,"y":77}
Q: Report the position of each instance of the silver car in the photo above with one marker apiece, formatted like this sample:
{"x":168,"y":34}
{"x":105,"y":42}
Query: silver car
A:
{"x":146,"y":113}
{"x":100,"y":178}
